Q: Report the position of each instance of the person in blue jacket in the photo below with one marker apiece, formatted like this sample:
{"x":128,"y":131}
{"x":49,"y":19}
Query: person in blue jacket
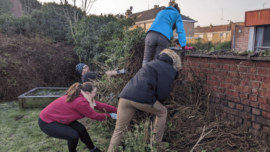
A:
{"x":161,"y":31}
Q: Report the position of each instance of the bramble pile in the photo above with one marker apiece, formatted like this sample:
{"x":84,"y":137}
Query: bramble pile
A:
{"x":189,"y":111}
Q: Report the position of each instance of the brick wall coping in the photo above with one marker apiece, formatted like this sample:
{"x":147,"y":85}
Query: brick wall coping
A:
{"x":229,"y":57}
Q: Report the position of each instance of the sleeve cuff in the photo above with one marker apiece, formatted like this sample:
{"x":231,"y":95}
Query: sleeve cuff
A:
{"x":108,"y":116}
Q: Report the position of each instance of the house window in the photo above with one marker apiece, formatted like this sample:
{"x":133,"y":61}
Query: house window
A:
{"x":262,"y":38}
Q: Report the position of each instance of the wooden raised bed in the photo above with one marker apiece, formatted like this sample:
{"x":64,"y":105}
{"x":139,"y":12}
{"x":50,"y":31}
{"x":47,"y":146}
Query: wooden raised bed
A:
{"x":41,"y":96}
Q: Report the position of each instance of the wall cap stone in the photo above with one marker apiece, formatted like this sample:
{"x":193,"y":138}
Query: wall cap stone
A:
{"x":229,"y":57}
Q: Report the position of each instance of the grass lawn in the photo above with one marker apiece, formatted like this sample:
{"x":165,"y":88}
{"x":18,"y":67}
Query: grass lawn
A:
{"x":19,"y":132}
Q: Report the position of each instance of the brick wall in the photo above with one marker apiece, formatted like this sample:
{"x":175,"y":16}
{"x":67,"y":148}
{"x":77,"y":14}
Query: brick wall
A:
{"x":240,"y":89}
{"x":241,"y":39}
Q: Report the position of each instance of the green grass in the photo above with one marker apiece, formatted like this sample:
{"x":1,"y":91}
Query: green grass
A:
{"x":24,"y":135}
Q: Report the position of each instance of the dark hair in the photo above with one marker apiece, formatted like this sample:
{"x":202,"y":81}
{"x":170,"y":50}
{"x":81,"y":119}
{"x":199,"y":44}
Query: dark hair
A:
{"x":176,"y":7}
{"x":176,"y":41}
{"x":74,"y":91}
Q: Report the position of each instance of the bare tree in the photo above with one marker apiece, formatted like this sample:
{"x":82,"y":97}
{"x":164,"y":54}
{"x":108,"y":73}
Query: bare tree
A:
{"x":71,"y":14}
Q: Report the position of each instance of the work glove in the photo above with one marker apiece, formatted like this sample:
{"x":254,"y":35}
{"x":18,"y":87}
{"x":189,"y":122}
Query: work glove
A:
{"x":188,"y":48}
{"x":123,"y":71}
{"x":113,"y":115}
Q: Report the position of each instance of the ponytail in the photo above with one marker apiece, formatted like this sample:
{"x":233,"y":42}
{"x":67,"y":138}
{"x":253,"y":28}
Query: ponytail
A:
{"x":177,"y":8}
{"x":75,"y":90}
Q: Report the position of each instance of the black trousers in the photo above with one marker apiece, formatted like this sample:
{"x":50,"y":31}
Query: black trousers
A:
{"x":71,"y":132}
{"x":154,"y":43}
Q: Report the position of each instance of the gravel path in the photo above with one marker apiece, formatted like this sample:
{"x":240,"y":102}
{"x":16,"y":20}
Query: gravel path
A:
{"x":17,"y":8}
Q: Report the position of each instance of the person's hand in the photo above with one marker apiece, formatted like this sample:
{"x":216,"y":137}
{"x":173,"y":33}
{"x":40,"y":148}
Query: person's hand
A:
{"x":113,"y":115}
{"x":123,"y":71}
{"x":111,"y":73}
{"x":188,"y":48}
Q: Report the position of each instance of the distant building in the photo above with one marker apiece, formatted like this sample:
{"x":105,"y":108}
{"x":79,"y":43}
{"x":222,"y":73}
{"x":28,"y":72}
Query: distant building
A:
{"x":214,"y":34}
{"x":219,"y":33}
{"x":254,"y":35}
{"x":145,"y":19}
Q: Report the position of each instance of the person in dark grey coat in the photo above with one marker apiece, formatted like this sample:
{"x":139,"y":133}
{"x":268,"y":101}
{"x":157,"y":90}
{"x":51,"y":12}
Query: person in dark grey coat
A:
{"x":88,"y":75}
{"x":147,"y":91}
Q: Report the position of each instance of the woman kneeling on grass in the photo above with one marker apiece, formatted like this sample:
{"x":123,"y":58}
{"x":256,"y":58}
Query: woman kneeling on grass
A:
{"x":59,"y":119}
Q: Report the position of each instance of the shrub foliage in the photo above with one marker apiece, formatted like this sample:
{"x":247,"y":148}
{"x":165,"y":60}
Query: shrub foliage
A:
{"x":26,"y":63}
{"x":29,"y":5}
{"x":49,"y":21}
{"x":16,"y":25}
{"x":5,"y":6}
{"x":98,"y":37}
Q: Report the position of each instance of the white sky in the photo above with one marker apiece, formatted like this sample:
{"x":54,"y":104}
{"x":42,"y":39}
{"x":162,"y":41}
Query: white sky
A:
{"x":206,"y":12}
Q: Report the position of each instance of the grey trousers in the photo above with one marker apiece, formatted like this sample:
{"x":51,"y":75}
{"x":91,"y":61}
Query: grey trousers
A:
{"x":154,"y":43}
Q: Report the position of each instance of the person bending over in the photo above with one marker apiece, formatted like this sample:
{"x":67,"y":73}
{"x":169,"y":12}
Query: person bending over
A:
{"x":147,"y":91}
{"x":59,"y":118}
{"x":88,"y":75}
{"x":161,"y":31}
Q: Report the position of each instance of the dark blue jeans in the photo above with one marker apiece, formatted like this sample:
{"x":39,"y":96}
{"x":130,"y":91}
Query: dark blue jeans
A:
{"x":154,"y":43}
{"x":71,"y":132}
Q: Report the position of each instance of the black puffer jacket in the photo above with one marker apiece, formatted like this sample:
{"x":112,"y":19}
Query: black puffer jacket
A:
{"x":152,"y":82}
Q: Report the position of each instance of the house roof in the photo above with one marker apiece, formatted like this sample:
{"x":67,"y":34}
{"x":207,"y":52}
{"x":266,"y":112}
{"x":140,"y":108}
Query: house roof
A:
{"x":209,"y":29}
{"x":152,"y":13}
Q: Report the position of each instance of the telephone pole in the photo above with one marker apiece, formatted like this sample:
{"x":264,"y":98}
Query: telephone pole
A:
{"x":222,"y":15}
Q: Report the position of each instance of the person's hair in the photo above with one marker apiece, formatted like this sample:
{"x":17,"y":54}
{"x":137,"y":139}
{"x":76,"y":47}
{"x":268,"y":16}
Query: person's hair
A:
{"x":176,"y":58}
{"x":74,"y":91}
{"x":177,"y":7}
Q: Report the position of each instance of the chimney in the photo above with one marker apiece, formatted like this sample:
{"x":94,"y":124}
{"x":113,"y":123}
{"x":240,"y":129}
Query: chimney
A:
{"x":171,"y":2}
{"x":211,"y":25}
{"x":156,"y":6}
{"x":128,"y":13}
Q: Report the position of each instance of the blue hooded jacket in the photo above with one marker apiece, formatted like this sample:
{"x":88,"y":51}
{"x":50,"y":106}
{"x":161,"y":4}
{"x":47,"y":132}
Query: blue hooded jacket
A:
{"x":164,"y":21}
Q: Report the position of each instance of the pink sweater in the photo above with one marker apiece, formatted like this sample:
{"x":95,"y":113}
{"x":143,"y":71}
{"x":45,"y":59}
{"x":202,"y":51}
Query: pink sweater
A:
{"x":66,"y":112}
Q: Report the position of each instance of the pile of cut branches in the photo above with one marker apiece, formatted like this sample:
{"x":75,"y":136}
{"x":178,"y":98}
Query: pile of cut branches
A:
{"x":192,"y":124}
{"x":26,"y":63}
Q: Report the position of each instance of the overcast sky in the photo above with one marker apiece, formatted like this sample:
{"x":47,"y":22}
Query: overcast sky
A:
{"x":206,"y":12}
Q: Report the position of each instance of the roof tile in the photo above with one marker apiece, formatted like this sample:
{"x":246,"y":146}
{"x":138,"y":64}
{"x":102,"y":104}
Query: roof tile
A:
{"x":208,"y":29}
{"x":151,"y":14}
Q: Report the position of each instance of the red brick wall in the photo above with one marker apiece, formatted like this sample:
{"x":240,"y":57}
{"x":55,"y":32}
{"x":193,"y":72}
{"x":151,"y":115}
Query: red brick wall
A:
{"x":240,"y":89}
{"x":241,"y":39}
